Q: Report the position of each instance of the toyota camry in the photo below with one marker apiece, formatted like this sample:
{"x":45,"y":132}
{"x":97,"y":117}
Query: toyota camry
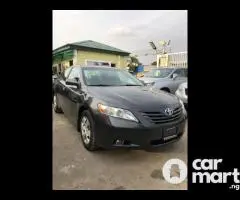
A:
{"x":112,"y":108}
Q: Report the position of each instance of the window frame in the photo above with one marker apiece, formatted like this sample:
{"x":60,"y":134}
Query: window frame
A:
{"x":182,"y":72}
{"x":66,"y":77}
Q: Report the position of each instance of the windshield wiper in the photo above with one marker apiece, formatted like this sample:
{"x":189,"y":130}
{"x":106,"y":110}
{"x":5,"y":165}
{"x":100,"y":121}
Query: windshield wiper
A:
{"x":100,"y":85}
{"x":115,"y":85}
{"x":131,"y":85}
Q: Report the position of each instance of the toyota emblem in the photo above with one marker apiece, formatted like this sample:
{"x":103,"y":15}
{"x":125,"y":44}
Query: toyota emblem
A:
{"x":169,"y":111}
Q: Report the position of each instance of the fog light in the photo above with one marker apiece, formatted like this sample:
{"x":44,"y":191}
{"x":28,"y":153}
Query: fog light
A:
{"x":119,"y":142}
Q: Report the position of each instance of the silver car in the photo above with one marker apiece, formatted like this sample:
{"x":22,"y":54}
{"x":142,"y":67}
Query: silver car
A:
{"x":182,"y":94}
{"x":167,"y":79}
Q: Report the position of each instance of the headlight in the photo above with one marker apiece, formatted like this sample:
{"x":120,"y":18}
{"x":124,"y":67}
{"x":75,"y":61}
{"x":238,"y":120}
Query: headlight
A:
{"x":150,"y":84}
{"x":116,"y":112}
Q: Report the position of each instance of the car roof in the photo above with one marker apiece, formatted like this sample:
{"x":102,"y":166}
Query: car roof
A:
{"x":170,"y":68}
{"x":95,"y":67}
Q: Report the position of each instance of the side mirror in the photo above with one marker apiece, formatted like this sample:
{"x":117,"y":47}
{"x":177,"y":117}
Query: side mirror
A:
{"x":73,"y":82}
{"x":174,"y":76}
{"x":145,"y":84}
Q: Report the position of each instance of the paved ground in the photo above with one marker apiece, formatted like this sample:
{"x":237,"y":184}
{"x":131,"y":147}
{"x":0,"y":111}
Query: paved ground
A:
{"x":76,"y":168}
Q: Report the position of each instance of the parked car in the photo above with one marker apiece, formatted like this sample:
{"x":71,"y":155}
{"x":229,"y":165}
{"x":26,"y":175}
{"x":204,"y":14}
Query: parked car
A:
{"x":112,"y":108}
{"x":182,"y":93}
{"x":167,"y":79}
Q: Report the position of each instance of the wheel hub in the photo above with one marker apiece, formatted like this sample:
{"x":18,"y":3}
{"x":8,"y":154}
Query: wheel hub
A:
{"x":54,"y":101}
{"x":85,"y":130}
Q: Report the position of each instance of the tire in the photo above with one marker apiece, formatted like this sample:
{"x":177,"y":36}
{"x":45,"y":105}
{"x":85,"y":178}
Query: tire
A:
{"x":88,"y":138}
{"x":56,"y":107}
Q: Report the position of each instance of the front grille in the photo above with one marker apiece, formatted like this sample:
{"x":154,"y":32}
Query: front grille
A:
{"x":161,"y":117}
{"x":186,"y":91}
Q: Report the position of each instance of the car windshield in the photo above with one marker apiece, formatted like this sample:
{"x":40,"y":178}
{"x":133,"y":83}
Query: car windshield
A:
{"x":159,"y":73}
{"x":109,"y":77}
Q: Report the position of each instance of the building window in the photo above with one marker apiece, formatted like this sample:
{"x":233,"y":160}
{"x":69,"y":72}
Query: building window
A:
{"x":104,"y":64}
{"x":71,"y":63}
{"x":113,"y":65}
{"x":97,"y":63}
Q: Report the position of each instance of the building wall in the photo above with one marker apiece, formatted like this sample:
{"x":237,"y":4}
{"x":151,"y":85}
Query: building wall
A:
{"x":83,"y":56}
{"x":149,"y":67}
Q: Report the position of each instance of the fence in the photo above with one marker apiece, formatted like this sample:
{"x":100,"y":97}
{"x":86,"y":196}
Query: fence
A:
{"x":178,"y":59}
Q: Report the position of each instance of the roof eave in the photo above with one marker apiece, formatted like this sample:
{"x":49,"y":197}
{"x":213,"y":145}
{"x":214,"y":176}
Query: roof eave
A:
{"x":73,"y":46}
{"x":56,"y":50}
{"x":100,"y":50}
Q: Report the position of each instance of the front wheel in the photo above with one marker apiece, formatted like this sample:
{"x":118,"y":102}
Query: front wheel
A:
{"x":87,"y":131}
{"x":56,"y":107}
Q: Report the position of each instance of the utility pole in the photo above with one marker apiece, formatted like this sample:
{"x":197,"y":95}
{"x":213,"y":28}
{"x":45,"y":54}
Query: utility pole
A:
{"x":164,"y":44}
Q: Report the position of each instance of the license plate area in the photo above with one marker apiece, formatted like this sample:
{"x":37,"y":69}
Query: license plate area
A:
{"x":170,"y":131}
{"x":169,"y":137}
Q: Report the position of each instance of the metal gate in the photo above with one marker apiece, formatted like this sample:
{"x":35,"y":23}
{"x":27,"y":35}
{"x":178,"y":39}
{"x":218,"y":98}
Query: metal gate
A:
{"x":178,"y":59}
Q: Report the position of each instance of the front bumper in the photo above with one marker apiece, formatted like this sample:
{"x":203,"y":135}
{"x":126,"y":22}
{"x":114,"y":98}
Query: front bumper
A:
{"x":109,"y":130}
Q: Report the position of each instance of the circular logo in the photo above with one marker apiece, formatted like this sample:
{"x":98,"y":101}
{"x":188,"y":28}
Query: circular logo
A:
{"x":169,"y":111}
{"x":174,"y":171}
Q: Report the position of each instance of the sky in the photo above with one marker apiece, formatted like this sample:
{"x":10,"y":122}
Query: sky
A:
{"x":129,"y":30}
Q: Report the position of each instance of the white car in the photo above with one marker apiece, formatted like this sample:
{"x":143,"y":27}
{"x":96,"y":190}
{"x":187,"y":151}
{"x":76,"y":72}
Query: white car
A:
{"x":182,"y":93}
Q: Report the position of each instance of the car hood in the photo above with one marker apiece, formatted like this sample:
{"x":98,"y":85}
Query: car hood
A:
{"x":133,"y":97}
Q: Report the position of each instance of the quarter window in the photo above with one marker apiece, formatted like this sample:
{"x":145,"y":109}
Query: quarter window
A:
{"x":74,"y":73}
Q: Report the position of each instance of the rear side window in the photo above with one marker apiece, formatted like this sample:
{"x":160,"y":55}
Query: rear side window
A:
{"x":67,"y":71}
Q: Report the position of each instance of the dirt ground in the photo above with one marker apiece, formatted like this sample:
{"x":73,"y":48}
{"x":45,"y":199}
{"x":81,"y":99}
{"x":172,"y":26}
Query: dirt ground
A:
{"x":74,"y":168}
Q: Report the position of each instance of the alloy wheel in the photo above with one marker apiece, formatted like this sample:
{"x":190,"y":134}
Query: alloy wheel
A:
{"x":85,"y":130}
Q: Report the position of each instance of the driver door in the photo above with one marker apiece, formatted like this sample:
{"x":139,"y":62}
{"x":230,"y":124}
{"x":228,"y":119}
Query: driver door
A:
{"x":73,"y":96}
{"x":62,"y":89}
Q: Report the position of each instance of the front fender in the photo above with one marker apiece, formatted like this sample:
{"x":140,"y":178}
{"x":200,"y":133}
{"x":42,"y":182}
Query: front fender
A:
{"x":163,"y":84}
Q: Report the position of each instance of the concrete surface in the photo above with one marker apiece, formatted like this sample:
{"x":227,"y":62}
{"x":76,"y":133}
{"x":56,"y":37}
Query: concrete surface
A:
{"x":75,"y":168}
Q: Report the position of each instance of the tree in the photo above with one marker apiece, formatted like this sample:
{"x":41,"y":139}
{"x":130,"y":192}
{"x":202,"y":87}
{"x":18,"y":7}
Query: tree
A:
{"x":133,"y":63}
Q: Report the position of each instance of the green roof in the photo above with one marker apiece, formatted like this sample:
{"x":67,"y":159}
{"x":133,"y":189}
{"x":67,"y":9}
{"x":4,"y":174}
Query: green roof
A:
{"x":89,"y":44}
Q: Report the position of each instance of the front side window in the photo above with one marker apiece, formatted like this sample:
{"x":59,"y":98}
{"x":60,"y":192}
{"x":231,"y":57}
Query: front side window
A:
{"x":75,"y":73}
{"x":181,"y":72}
{"x":109,"y":77}
{"x":66,"y":72}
